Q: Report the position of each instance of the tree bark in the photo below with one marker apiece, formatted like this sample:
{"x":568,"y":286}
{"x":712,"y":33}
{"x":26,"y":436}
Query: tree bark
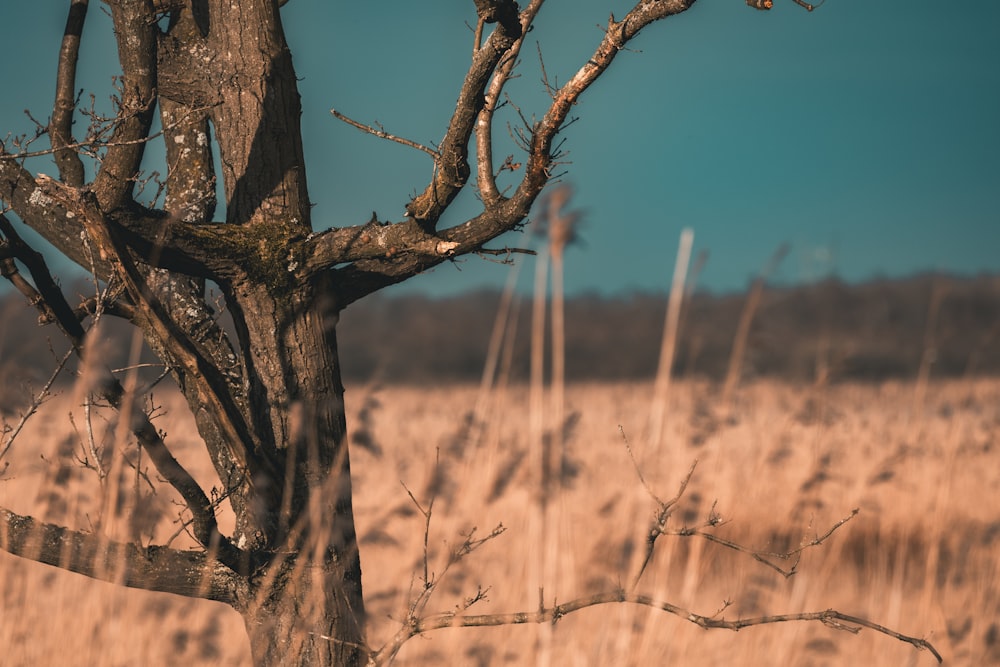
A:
{"x":268,"y":404}
{"x":304,"y":605}
{"x":303,"y":617}
{"x":307,"y":608}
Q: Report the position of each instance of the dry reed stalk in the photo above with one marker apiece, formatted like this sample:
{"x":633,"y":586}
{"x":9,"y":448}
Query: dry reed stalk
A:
{"x":493,"y":353}
{"x":669,"y":342}
{"x":503,"y":379}
{"x":743,"y":328}
{"x":536,"y":449}
{"x":114,"y":507}
{"x":561,"y":233}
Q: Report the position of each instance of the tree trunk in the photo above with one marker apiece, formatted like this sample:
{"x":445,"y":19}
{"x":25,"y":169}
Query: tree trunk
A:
{"x":302,"y":617}
{"x":306,"y":607}
{"x":302,"y":604}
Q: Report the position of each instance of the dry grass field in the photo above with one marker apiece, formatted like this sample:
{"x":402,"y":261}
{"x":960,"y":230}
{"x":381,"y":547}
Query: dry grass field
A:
{"x":783,"y":466}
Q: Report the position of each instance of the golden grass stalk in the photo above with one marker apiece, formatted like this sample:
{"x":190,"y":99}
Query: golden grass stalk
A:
{"x":536,"y":451}
{"x":493,"y":352}
{"x":661,"y":389}
{"x":743,"y":328}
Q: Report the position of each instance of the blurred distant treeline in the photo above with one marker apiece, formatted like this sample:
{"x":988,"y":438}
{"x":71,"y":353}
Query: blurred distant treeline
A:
{"x":877,"y":330}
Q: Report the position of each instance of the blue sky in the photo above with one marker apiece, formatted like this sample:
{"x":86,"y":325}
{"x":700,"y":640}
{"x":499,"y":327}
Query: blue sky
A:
{"x":864,"y":133}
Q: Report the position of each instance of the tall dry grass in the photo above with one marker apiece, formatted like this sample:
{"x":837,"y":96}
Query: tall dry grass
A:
{"x":786,"y":464}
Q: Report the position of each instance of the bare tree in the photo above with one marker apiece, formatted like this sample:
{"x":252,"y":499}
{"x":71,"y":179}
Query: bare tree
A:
{"x":268,"y":402}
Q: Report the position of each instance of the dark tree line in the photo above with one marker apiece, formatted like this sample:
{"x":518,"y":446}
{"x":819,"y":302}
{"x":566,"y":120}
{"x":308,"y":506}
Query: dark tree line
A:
{"x":872,"y":331}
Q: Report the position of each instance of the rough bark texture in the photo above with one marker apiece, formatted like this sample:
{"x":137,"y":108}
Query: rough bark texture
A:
{"x":268,"y":403}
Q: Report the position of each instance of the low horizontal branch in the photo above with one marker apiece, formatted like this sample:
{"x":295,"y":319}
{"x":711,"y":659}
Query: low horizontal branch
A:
{"x":154,"y":568}
{"x":830,"y":617}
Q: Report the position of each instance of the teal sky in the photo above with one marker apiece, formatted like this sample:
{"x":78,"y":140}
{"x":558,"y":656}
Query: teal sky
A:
{"x":865,"y":134}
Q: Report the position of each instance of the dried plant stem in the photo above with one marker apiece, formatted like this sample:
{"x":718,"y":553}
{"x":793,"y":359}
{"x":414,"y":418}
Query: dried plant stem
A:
{"x":488,"y":381}
{"x":661,"y":390}
{"x":743,"y":328}
{"x":539,"y":527}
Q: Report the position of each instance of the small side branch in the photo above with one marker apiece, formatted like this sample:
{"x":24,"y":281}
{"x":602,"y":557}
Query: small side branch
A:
{"x":382,"y":134}
{"x":486,"y":178}
{"x":663,"y":513}
{"x":767,"y":557}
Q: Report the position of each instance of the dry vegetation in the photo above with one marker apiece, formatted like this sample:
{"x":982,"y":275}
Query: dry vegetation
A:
{"x":788,"y":462}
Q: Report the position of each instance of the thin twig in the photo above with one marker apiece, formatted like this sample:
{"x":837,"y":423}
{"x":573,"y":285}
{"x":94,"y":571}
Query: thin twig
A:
{"x":382,"y":134}
{"x":505,"y":251}
{"x":660,"y":522}
{"x":94,"y":144}
{"x":36,"y":402}
{"x":638,"y":470}
{"x":807,"y":6}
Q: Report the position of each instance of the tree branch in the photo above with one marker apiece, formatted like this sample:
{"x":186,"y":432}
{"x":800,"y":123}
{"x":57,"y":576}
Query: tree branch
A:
{"x":158,"y":238}
{"x":60,"y":126}
{"x":766,"y":557}
{"x":135,"y":28}
{"x":375,"y":240}
{"x":45,"y":295}
{"x":451,"y":170}
{"x":51,"y":302}
{"x":829,"y":617}
{"x":382,"y":134}
{"x":40,"y":212}
{"x":501,"y":215}
{"x":486,"y":179}
{"x":204,"y":376}
{"x":188,"y":573}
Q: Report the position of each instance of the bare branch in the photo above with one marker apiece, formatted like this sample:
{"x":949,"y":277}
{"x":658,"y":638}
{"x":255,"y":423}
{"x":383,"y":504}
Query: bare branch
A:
{"x":195,"y":250}
{"x":189,"y":573}
{"x":829,"y":617}
{"x":382,"y":134}
{"x":452,"y":167}
{"x":374,"y":240}
{"x":662,"y":515}
{"x":506,"y":251}
{"x":486,"y":179}
{"x":430,"y":582}
{"x":60,"y":133}
{"x":367,"y":275}
{"x":762,"y":556}
{"x":43,"y":394}
{"x":135,"y":28}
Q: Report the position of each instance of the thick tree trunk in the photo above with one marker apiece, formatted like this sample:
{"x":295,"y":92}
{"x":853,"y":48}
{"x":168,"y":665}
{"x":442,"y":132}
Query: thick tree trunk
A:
{"x":302,"y":617}
{"x":303,"y":603}
{"x":305,"y":608}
